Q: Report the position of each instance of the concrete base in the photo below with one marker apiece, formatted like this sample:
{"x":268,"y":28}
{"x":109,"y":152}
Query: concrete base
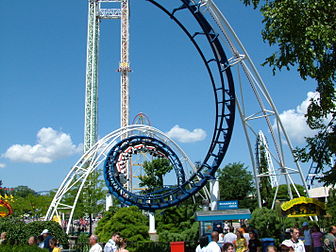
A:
{"x":153,"y":236}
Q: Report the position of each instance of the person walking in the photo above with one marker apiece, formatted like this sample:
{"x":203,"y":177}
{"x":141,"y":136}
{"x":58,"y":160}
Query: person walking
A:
{"x":95,"y":247}
{"x":213,"y":246}
{"x":46,"y":238}
{"x":230,"y":237}
{"x":329,"y":240}
{"x":240,"y":243}
{"x":228,"y":247}
{"x":295,"y":242}
{"x":307,"y":237}
{"x":254,"y":244}
{"x":3,"y":238}
{"x":53,"y":245}
{"x":122,"y":244}
{"x":32,"y":241}
{"x":111,"y":245}
{"x":203,"y":243}
{"x":317,"y":236}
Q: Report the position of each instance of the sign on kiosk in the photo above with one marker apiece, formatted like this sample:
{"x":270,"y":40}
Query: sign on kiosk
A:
{"x":223,"y":205}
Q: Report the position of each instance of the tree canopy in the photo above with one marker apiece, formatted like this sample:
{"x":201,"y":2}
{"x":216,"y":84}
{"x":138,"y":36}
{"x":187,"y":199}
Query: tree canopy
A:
{"x":236,"y":183}
{"x":331,"y":204}
{"x":27,"y":202}
{"x":303,"y":33}
{"x":155,"y":170}
{"x":23,"y":191}
{"x":178,"y":223}
{"x":129,"y":221}
{"x":283,"y":194}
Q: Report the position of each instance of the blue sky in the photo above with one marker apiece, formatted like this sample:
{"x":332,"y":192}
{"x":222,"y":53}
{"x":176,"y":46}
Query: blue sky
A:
{"x":42,"y":80}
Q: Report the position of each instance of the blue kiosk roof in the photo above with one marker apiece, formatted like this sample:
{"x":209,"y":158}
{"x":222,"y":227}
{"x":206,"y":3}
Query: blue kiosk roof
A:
{"x":229,"y":214}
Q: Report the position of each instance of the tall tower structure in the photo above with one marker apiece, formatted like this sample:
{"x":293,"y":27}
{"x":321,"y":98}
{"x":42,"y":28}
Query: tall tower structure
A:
{"x":91,"y":78}
{"x":124,"y":66}
{"x":95,"y":15}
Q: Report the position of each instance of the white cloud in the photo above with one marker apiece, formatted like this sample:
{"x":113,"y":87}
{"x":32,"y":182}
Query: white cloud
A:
{"x":185,"y":136}
{"x":2,"y":165}
{"x":51,"y":145}
{"x":294,"y":120}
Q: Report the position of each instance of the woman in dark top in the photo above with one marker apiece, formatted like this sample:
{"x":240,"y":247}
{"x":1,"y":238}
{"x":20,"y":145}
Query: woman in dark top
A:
{"x":254,"y":244}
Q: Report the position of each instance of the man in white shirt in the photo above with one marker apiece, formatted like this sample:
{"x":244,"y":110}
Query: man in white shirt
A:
{"x":213,"y":246}
{"x":95,"y":247}
{"x":111,"y":246}
{"x":295,"y":243}
{"x":230,"y":236}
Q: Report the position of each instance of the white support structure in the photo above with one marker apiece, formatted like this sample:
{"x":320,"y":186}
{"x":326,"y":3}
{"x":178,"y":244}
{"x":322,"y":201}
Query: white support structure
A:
{"x":152,"y":229}
{"x":214,"y":194}
{"x":261,"y":109}
{"x":262,"y":144}
{"x":95,"y":156}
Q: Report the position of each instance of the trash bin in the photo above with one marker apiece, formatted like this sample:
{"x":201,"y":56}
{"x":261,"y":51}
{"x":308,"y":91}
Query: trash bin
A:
{"x":267,"y":242}
{"x":177,"y":246}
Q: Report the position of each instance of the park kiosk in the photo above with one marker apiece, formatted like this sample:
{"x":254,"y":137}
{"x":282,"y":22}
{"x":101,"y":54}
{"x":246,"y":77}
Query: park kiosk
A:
{"x":227,"y":211}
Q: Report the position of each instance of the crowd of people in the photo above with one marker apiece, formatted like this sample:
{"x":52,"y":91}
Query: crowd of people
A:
{"x":115,"y":244}
{"x":46,"y":241}
{"x":246,"y":240}
{"x":241,"y":239}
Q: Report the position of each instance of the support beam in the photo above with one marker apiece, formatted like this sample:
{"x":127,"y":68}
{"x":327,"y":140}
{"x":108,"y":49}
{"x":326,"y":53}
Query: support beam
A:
{"x":91,"y":82}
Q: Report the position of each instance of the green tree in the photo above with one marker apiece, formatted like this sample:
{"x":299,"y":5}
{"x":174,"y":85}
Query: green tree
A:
{"x":304,"y":34}
{"x":178,"y":223}
{"x":267,"y":222}
{"x":92,"y":198}
{"x":107,"y":217}
{"x":155,"y":170}
{"x":33,"y":204}
{"x":283,"y":194}
{"x":236,"y":183}
{"x":331,"y":205}
{"x":129,"y":221}
{"x":23,"y":191}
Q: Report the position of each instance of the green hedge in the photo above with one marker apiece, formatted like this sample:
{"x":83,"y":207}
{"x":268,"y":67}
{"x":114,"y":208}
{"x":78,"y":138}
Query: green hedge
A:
{"x":36,"y":227}
{"x":14,"y":228}
{"x":18,"y":231}
{"x":24,"y":248}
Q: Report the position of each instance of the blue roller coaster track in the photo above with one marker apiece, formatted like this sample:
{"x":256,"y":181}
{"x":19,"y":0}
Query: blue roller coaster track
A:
{"x":220,"y":75}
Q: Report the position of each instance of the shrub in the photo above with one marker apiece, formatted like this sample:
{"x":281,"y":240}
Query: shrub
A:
{"x":128,"y":221}
{"x":267,"y":222}
{"x":18,"y":232}
{"x":24,"y":248}
{"x":36,"y":227}
{"x":14,"y":228}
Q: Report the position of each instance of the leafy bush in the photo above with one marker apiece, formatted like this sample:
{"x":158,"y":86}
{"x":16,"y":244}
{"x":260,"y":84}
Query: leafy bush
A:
{"x":82,"y":242}
{"x":14,"y":228}
{"x":129,"y":221}
{"x":267,"y":222}
{"x":178,"y":223}
{"x":149,"y":246}
{"x":36,"y":227}
{"x":24,"y":248}
{"x":18,"y":232}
